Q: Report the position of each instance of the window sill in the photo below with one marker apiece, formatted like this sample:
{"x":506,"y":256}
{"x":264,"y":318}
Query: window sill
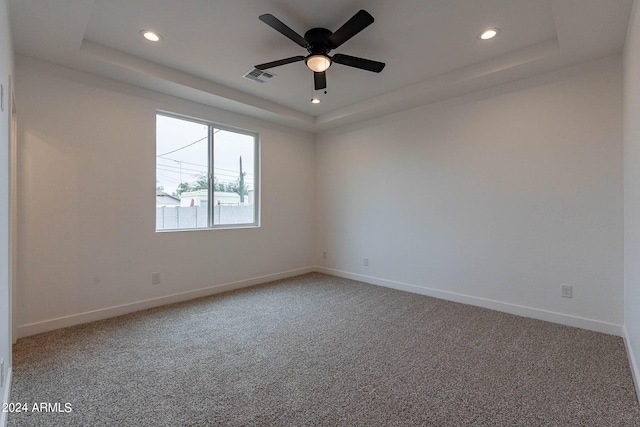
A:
{"x":222,"y":227}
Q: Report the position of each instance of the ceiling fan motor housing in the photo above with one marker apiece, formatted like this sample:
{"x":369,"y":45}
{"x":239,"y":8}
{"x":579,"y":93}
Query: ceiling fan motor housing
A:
{"x":318,"y":39}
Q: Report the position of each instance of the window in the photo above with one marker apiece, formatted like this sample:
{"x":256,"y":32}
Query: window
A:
{"x":206,"y":175}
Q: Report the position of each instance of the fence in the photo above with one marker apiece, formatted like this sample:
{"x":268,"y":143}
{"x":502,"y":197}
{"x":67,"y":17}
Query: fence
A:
{"x":178,"y":217}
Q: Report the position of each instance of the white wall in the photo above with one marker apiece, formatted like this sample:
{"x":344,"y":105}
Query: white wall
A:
{"x":495,"y":199}
{"x":632,"y":192}
{"x":6,"y":70}
{"x":87,"y":239}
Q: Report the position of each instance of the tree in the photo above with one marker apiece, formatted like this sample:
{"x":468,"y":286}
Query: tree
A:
{"x":218,"y":186}
{"x":242,"y":190}
{"x":201,"y":183}
{"x":183,"y":187}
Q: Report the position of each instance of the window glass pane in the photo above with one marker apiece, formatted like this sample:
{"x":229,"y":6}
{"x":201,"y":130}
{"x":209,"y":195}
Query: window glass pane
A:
{"x":182,"y":168}
{"x":234,"y":178}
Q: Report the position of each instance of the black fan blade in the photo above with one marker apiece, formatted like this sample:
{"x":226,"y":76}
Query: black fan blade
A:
{"x":353,"y":26}
{"x":279,"y":26}
{"x":320,"y":80}
{"x":363,"y":64}
{"x":280,"y":62}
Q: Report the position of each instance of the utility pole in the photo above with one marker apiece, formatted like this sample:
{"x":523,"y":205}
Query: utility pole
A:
{"x":241,"y":183}
{"x":180,"y":165}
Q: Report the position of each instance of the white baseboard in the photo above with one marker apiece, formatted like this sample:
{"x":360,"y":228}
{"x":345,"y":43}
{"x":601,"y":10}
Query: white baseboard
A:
{"x":90,"y":316}
{"x":579,"y":322}
{"x":105,"y":313}
{"x":632,"y":362}
{"x":534,"y":313}
{"x":4,"y":416}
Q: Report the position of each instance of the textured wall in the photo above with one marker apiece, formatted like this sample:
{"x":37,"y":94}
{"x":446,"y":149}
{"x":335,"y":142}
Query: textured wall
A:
{"x":502,"y":195}
{"x":632,"y":190}
{"x":6,"y":70}
{"x":87,"y":200}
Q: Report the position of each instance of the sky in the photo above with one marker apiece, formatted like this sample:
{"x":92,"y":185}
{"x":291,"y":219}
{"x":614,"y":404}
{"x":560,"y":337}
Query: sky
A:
{"x":182,"y":153}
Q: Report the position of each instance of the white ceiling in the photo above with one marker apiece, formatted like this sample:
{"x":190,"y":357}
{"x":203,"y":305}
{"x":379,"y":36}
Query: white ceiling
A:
{"x":429,"y":46}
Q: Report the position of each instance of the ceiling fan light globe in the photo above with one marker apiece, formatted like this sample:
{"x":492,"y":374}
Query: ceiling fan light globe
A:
{"x":318,"y":63}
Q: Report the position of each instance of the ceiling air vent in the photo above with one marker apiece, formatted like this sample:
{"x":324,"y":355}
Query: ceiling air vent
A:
{"x":259,"y":75}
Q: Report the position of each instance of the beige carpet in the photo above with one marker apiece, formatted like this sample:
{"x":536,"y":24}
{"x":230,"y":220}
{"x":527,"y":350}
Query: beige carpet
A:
{"x":317,"y":350}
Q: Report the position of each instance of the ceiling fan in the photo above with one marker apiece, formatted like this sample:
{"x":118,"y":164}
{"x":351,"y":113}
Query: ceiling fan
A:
{"x":319,"y":42}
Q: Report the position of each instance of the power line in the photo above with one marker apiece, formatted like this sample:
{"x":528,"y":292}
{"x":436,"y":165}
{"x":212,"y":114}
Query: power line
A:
{"x":175,"y":172}
{"x":168,"y":178}
{"x":182,"y":161}
{"x":172,"y":162}
{"x":203,"y":166}
{"x":176,"y":169}
{"x":220,"y":178}
{"x":182,"y":148}
{"x":235,"y":172}
{"x":188,"y":145}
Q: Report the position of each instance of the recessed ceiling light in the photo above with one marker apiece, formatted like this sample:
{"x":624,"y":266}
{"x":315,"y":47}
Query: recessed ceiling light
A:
{"x":150,"y":35}
{"x":488,"y":33}
{"x":315,"y":101}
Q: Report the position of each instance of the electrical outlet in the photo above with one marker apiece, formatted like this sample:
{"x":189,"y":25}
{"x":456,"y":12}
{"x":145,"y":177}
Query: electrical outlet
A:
{"x":155,"y":278}
{"x":366,"y":262}
{"x":324,"y":255}
{"x":567,"y":291}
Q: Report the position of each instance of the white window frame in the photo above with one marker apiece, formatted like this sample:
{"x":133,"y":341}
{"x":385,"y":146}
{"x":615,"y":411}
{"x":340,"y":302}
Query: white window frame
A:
{"x":211,"y":142}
